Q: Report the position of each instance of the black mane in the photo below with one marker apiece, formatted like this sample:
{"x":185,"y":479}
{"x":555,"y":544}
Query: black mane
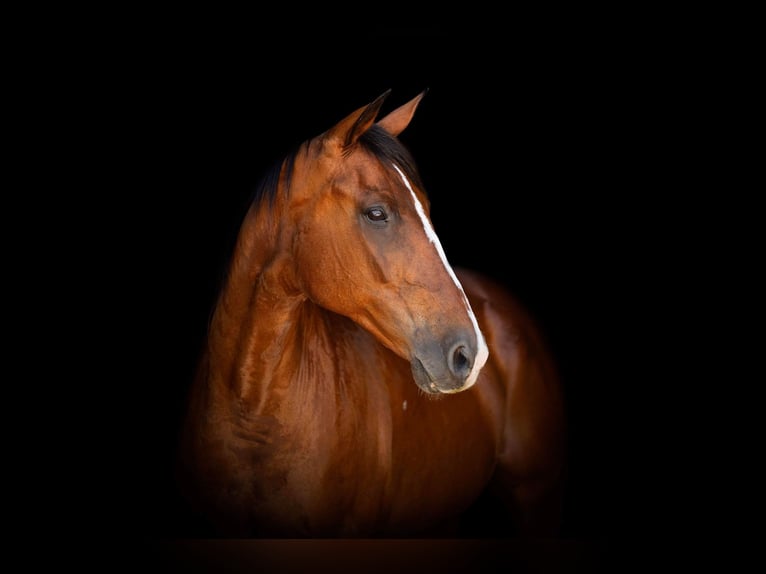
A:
{"x":388,"y":149}
{"x":266,"y":188}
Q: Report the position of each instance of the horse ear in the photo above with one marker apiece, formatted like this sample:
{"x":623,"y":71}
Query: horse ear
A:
{"x":348,"y":130}
{"x":395,"y":122}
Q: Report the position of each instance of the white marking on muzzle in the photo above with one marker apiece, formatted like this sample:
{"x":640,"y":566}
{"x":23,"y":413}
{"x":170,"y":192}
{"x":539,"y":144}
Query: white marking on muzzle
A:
{"x":482,"y":352}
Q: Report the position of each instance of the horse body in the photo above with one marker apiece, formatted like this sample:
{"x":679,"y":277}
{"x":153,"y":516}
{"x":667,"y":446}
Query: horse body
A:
{"x":353,"y":384}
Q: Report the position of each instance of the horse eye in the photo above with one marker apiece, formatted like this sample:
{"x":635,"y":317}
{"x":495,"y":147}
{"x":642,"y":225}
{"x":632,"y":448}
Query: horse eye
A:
{"x":376,"y":214}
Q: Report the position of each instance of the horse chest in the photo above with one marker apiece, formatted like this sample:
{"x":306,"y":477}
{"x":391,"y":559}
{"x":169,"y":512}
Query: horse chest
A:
{"x":307,"y":466}
{"x":351,"y":471}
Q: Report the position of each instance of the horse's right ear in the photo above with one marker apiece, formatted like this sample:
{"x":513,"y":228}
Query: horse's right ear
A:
{"x":347,"y":131}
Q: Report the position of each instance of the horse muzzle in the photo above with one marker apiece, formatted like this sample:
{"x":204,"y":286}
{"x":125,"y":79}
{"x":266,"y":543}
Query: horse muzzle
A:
{"x":449,"y":368}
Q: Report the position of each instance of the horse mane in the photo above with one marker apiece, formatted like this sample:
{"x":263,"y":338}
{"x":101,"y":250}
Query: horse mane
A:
{"x":266,"y":188}
{"x":389,"y":150}
{"x":375,"y":140}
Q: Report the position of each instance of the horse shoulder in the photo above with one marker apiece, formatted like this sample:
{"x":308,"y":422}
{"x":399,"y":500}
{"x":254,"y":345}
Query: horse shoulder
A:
{"x":521,"y":372}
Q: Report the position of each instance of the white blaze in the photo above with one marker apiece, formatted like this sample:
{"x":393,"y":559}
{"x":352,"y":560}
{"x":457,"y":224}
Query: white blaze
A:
{"x":482,"y":352}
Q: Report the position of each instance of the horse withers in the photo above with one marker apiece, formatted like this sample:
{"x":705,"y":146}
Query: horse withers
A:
{"x":352,"y":383}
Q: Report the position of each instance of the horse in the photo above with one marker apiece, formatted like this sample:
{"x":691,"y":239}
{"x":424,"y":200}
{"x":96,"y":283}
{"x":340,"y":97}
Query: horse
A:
{"x":353,"y":383}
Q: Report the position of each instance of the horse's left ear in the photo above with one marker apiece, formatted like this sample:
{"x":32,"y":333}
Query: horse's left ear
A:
{"x":395,"y":122}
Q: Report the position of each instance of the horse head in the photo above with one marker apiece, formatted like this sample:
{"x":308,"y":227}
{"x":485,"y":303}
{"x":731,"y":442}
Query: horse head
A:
{"x":362,"y":245}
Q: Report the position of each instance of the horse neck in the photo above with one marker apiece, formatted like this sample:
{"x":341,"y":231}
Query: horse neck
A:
{"x":255,"y":312}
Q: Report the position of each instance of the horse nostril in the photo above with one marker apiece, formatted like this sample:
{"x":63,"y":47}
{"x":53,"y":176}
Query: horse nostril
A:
{"x":461,"y":362}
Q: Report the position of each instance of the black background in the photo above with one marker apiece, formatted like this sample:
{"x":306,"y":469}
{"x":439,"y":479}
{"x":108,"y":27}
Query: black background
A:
{"x":546,"y":148}
{"x":533,"y":159}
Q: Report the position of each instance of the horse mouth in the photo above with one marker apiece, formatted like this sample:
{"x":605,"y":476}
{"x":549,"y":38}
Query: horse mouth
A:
{"x":423,"y":378}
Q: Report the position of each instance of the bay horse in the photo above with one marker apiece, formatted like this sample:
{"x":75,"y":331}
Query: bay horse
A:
{"x":354,"y":384}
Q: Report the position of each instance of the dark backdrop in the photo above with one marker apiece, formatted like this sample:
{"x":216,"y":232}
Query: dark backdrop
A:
{"x":542,"y":153}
